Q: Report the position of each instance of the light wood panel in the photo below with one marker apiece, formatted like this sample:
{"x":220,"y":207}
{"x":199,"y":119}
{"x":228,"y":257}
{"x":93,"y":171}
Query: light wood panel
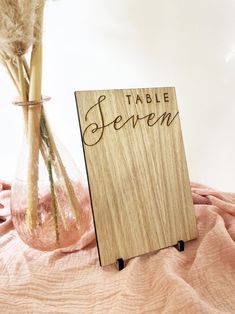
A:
{"x":137,"y":172}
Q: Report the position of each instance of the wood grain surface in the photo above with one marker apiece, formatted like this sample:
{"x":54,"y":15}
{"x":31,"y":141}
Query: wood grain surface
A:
{"x":137,"y":172}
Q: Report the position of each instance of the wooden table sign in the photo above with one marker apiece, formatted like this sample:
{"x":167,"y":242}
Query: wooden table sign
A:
{"x":137,"y":172}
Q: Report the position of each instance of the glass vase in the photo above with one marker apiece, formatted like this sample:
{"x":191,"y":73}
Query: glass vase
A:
{"x":58,"y":222}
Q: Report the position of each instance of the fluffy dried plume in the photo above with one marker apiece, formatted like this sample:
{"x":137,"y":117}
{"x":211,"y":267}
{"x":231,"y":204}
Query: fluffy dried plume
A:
{"x":17,"y":26}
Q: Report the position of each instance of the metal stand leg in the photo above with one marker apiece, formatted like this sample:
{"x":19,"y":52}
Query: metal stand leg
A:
{"x":180,"y":245}
{"x":120,"y":264}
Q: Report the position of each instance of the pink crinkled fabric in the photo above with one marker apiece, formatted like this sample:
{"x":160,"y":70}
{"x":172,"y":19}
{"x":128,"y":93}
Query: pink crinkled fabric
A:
{"x":199,"y":280}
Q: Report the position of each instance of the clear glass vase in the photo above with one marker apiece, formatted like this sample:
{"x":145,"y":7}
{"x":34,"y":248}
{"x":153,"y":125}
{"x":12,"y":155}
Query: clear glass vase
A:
{"x":57,"y":224}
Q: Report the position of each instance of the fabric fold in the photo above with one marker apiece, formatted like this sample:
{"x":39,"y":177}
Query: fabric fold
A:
{"x":199,"y":280}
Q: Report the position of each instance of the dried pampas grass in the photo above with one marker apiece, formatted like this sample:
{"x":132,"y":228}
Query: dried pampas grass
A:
{"x":17,"y":21}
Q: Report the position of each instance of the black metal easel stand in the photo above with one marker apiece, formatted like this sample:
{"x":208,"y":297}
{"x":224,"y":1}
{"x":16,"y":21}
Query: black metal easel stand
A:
{"x":120,"y":263}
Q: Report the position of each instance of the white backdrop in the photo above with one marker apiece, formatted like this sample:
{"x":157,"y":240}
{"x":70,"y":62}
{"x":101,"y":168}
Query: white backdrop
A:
{"x":132,"y":43}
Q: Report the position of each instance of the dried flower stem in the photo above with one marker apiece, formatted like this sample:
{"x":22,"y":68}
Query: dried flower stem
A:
{"x":26,"y":68}
{"x":53,"y":199}
{"x":47,"y":154}
{"x":23,"y":90}
{"x":55,"y":206}
{"x":61,"y":173}
{"x":34,"y":114}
